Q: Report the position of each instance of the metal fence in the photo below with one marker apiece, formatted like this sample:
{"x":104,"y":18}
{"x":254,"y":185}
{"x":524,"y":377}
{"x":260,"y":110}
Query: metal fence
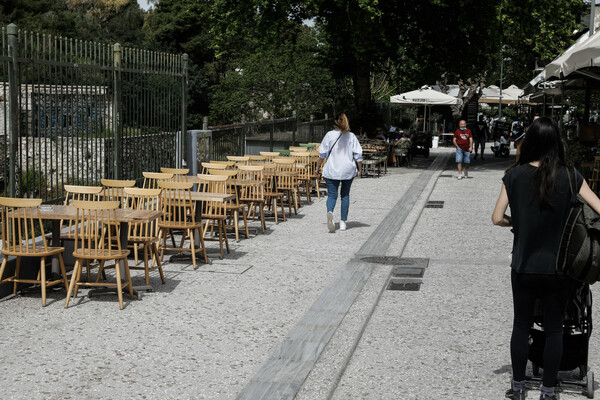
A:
{"x":254,"y":137}
{"x":75,"y":111}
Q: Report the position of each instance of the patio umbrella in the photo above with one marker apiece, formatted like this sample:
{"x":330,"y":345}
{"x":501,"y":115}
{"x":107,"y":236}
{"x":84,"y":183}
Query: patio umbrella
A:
{"x":425,"y":96}
{"x":491,"y":95}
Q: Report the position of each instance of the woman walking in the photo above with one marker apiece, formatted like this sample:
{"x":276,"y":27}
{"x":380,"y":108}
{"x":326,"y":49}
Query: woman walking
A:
{"x":537,"y":190}
{"x":344,"y":161}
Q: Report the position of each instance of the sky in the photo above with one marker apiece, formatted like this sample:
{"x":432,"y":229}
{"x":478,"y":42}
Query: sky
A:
{"x":144,"y":4}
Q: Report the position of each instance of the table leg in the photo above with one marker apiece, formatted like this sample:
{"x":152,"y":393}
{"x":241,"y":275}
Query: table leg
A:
{"x":55,"y":269}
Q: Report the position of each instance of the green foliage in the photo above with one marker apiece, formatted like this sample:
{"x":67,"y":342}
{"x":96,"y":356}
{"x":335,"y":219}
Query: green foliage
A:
{"x":32,"y":183}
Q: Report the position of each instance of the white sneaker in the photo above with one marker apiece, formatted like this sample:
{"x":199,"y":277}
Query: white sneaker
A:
{"x":342,"y":225}
{"x":460,"y":176}
{"x":466,"y":174}
{"x":330,"y":223}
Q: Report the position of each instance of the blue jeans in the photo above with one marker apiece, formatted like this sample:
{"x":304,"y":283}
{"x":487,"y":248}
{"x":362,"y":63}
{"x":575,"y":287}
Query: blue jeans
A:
{"x":332,"y":195}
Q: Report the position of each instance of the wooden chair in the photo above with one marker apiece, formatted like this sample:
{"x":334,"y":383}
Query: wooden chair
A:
{"x":233,"y":206}
{"x":93,"y":217}
{"x":270,"y":155}
{"x":178,"y":173}
{"x":114,"y":189}
{"x":314,"y":174}
{"x":287,"y":182}
{"x":81,"y":193}
{"x":272,"y":195}
{"x":303,"y":165}
{"x":20,"y":218}
{"x":145,"y":235}
{"x":254,"y":194}
{"x":215,"y":212}
{"x":151,"y":179}
{"x":177,"y":207}
{"x":239,"y":160}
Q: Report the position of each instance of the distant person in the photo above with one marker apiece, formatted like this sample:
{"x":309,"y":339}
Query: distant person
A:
{"x":537,"y":190}
{"x":380,"y":135}
{"x":463,"y":141}
{"x":480,"y":135}
{"x":344,"y":163}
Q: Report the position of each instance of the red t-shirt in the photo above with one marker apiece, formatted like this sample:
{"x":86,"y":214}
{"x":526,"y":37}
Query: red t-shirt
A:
{"x":462,"y":138}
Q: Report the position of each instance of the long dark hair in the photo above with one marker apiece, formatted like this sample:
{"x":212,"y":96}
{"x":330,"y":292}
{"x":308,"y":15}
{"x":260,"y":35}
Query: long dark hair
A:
{"x":543,"y":143}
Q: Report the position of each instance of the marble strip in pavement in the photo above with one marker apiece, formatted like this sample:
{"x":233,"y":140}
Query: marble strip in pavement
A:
{"x":282,"y":375}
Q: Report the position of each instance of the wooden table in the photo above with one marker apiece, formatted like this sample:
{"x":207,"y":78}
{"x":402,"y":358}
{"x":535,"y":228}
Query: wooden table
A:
{"x":124,"y":216}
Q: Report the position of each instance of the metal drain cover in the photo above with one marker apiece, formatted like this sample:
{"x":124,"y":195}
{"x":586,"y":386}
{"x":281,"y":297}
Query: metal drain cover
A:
{"x":408,"y":272}
{"x":434,"y":204}
{"x":404,"y":284}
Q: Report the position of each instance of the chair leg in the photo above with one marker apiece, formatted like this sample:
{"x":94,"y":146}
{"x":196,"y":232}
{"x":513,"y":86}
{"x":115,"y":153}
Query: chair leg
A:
{"x":43,"y":279}
{"x":236,"y":228}
{"x":135,"y":253}
{"x":73,"y":281}
{"x":146,"y":267}
{"x":245,"y":218}
{"x":119,"y":284}
{"x":225,"y":235}
{"x":262,"y":219}
{"x":160,"y":270}
{"x":17,"y":271}
{"x":63,"y":271}
{"x":128,"y":276}
{"x":2,"y":268}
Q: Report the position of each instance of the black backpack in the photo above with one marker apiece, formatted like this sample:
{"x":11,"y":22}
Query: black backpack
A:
{"x":579,"y":252}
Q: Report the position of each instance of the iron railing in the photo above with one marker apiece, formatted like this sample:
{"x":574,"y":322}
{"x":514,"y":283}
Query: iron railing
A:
{"x":254,"y":137}
{"x":74,"y":111}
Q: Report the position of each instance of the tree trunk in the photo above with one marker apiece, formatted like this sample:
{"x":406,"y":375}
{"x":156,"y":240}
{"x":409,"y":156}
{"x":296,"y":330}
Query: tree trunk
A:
{"x":362,"y":98}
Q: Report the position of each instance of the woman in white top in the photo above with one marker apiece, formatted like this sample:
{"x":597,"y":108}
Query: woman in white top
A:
{"x":344,"y":162}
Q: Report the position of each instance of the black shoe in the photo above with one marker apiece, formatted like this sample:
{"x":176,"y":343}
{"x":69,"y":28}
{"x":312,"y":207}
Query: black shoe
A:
{"x":482,"y":159}
{"x":475,"y":158}
{"x":515,"y":394}
{"x":555,"y":397}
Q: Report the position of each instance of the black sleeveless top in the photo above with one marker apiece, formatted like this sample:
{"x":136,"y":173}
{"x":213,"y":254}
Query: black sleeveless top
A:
{"x":537,"y":230}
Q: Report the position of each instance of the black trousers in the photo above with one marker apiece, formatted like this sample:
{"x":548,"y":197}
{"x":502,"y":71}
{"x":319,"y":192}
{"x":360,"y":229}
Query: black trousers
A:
{"x":554,"y":292}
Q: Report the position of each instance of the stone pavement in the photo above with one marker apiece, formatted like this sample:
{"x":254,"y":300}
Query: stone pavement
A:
{"x":298,"y":311}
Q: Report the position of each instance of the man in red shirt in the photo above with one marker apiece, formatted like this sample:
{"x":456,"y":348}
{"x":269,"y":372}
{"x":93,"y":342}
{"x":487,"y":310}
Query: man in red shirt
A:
{"x":463,"y":141}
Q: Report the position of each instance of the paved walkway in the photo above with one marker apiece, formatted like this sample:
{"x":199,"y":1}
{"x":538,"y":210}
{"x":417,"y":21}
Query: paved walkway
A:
{"x":298,"y":311}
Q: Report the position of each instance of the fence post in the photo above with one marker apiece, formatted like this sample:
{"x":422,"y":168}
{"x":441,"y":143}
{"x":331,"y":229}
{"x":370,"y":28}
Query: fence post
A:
{"x":184,"y":90}
{"x":242,"y":137}
{"x":272,"y":133}
{"x":294,"y":128}
{"x":116,"y":122}
{"x":311,"y":129}
{"x":14,"y":119}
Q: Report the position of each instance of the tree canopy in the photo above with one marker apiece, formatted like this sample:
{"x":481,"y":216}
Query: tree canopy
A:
{"x":261,"y":57}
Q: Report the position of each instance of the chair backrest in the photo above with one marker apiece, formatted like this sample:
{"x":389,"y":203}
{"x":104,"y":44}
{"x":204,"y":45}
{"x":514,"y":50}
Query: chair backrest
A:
{"x":176,"y":201}
{"x":286,"y":168}
{"x":145,"y":200}
{"x":97,"y":232}
{"x":113,"y":189}
{"x":270,"y":155}
{"x":298,"y":149}
{"x":257,"y":160}
{"x":82,"y":193}
{"x":151,"y":179}
{"x":214,"y":184}
{"x":20,"y":218}
{"x":303,"y":158}
{"x":239,"y":160}
{"x":211,"y":165}
{"x":178,"y":173}
{"x":253,"y":173}
{"x":229,"y":164}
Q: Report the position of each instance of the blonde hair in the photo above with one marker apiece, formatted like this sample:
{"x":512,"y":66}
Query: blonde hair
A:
{"x":341,"y":122}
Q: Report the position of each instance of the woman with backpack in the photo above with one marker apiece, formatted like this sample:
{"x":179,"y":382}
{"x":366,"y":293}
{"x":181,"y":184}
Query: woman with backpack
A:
{"x":538,"y":192}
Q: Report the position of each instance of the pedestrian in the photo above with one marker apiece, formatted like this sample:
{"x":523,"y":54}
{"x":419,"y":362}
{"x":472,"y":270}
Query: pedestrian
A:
{"x":480,"y":136}
{"x":463,"y":141}
{"x":537,"y":190}
{"x":344,"y":162}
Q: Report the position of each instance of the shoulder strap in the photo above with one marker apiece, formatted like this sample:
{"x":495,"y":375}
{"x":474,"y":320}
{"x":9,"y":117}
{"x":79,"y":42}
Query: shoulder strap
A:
{"x":571,"y":185}
{"x":334,"y":143}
